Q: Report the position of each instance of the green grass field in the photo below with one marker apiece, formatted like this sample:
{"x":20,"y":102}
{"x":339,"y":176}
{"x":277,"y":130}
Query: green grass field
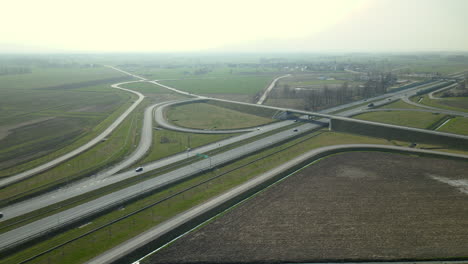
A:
{"x":52,"y":77}
{"x":225,"y":85}
{"x":441,"y":67}
{"x":50,"y":109}
{"x":188,"y":70}
{"x":317,"y":80}
{"x":403,"y":118}
{"x":207,"y":116}
{"x":146,"y":88}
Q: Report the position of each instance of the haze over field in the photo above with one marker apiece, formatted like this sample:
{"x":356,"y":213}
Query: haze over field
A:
{"x":238,"y":26}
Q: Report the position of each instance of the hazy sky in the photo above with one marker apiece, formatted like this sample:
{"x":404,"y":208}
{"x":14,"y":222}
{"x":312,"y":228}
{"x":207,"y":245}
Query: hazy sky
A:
{"x":235,"y":25}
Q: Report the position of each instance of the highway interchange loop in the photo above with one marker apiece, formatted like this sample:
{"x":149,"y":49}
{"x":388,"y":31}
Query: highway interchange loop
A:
{"x":44,"y":225}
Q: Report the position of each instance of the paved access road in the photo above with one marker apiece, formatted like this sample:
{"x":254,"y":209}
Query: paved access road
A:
{"x":431,"y":94}
{"x":270,"y":87}
{"x":58,"y":160}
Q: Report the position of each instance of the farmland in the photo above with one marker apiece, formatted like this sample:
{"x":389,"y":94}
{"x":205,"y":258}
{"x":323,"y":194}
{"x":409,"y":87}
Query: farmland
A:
{"x":343,"y":208}
{"x":224,"y":85}
{"x":47,"y":110}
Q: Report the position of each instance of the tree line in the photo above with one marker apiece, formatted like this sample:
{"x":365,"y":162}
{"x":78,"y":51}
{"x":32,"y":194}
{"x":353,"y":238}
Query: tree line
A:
{"x":14,"y":70}
{"x":326,"y":96}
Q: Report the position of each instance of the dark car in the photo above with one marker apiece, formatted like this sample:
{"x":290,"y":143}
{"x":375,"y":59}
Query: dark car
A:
{"x":139,"y":169}
{"x":295,"y":130}
{"x":370,"y":105}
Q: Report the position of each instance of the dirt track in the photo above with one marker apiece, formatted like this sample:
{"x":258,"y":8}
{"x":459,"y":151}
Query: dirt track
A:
{"x":353,"y":206}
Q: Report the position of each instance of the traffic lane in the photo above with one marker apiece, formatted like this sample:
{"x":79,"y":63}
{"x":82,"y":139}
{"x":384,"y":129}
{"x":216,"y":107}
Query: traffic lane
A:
{"x":47,"y":224}
{"x":97,"y":182}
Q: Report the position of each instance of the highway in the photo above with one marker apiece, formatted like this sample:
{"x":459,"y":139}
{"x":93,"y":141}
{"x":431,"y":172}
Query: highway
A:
{"x":108,"y":177}
{"x":104,"y":179}
{"x":36,"y":228}
{"x":76,"y":213}
{"x":146,"y":139}
{"x":191,"y":214}
{"x":71,"y":154}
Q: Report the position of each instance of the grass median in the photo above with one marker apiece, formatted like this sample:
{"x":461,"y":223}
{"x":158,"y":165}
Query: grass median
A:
{"x":403,"y":118}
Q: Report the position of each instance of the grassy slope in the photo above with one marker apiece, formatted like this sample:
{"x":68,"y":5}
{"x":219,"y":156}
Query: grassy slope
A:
{"x":458,"y":125}
{"x":207,"y":116}
{"x":411,"y":119}
{"x":440,"y":103}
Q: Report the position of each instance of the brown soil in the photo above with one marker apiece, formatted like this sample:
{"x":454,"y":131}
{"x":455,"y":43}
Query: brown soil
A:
{"x":351,"y":206}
